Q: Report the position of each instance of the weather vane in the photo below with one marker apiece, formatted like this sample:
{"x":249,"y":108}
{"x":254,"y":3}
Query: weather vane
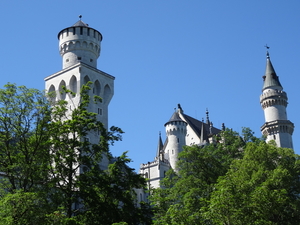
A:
{"x":267,"y":47}
{"x":80,"y":16}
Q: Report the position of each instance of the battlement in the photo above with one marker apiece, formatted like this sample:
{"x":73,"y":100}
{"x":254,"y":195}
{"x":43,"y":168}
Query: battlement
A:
{"x":79,"y":44}
{"x":154,"y":163}
{"x":278,"y":126}
{"x":176,"y":127}
{"x":271,"y":93}
{"x":273,"y":97}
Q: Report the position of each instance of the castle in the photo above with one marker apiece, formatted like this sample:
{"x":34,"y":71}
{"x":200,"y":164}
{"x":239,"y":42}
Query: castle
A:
{"x":80,"y":45}
{"x":183,"y":130}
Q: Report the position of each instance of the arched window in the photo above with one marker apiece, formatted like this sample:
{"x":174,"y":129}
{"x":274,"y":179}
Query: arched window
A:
{"x":107,"y":93}
{"x":52,"y":93}
{"x":86,"y":79}
{"x":73,"y":84}
{"x":97,"y":88}
{"x":62,"y":93}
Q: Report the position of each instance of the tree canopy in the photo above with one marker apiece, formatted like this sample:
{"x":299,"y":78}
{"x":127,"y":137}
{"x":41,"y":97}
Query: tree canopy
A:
{"x":51,"y":173}
{"x":237,"y":180}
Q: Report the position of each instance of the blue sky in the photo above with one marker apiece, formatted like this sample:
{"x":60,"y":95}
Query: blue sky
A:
{"x":201,"y":54}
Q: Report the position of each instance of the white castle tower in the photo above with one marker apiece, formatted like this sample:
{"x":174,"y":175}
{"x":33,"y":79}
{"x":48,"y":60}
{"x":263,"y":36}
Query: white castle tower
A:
{"x":274,"y":101}
{"x":176,"y":132}
{"x":79,"y":46}
{"x":181,"y":130}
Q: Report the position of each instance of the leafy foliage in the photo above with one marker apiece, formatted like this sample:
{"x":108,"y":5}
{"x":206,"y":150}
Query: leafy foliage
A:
{"x":185,"y":194}
{"x":263,"y":188}
{"x":52,"y":172}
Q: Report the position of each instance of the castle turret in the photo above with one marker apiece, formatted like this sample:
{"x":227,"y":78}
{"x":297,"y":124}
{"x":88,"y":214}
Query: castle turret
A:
{"x":274,"y":101}
{"x":79,"y":43}
{"x":176,"y":132}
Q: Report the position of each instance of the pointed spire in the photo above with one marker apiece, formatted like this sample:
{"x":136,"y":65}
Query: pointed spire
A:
{"x":207,"y":117}
{"x":159,"y":153}
{"x":223,"y":127}
{"x":202,"y":132}
{"x":270,"y":78}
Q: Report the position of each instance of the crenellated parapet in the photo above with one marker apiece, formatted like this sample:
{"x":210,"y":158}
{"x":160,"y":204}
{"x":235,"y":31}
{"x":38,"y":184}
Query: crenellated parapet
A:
{"x":278,"y":126}
{"x":273,"y":97}
{"x":79,"y":43}
{"x":154,"y":163}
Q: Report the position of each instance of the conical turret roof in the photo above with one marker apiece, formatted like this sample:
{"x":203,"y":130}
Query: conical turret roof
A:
{"x":80,"y":23}
{"x":270,"y":77}
{"x":175,"y":117}
{"x":160,"y":146}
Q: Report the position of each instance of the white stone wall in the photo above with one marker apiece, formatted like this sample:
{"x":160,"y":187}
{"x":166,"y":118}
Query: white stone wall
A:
{"x":176,"y":132}
{"x":154,"y":172}
{"x":275,"y":112}
{"x":283,"y":140}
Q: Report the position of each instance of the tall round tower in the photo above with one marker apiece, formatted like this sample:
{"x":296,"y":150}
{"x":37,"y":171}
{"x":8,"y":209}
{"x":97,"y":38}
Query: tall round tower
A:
{"x":79,"y":43}
{"x":79,"y":46}
{"x":176,"y":132}
{"x":274,"y":101}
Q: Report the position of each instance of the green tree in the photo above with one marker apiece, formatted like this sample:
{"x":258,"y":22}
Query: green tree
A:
{"x":24,"y":155}
{"x":261,"y":188}
{"x":75,"y":168}
{"x":52,"y":172}
{"x":185,"y":195}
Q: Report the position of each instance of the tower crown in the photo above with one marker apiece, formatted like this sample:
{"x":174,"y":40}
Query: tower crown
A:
{"x":79,"y":43}
{"x":271,"y":80}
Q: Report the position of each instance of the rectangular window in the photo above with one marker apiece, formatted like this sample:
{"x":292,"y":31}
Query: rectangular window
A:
{"x":81,"y":30}
{"x":99,"y":111}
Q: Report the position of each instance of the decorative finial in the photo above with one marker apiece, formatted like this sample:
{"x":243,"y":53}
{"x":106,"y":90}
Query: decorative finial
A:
{"x":267,"y":47}
{"x":207,"y":117}
{"x":80,"y":16}
{"x":159,"y":133}
{"x":223,"y":127}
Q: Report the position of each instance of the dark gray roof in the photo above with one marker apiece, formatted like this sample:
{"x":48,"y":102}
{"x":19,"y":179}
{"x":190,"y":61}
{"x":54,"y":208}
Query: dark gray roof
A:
{"x":196,"y":125}
{"x":270,"y":77}
{"x":175,"y":117}
{"x":80,"y":23}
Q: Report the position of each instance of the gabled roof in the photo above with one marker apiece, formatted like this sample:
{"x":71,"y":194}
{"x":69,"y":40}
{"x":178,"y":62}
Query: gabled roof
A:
{"x":196,"y":125}
{"x":270,"y":78}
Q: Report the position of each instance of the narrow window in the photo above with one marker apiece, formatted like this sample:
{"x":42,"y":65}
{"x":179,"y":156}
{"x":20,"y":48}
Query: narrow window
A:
{"x":74,"y":31}
{"x":99,"y":111}
{"x":79,"y":58}
{"x":67,"y":32}
{"x":91,"y":60}
{"x":177,"y":140}
{"x":88,"y":32}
